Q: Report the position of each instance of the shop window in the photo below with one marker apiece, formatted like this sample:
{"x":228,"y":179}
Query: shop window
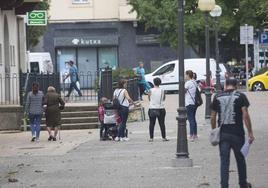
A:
{"x":1,"y":55}
{"x":64,"y":55}
{"x":80,"y":1}
{"x":108,"y":58}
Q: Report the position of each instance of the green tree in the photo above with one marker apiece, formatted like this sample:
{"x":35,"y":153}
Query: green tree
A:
{"x":162,"y":15}
{"x":35,"y":32}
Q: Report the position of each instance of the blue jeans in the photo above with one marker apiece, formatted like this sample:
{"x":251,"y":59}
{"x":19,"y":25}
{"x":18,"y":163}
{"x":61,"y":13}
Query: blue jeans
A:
{"x":191,"y":111}
{"x":123,"y":113}
{"x":35,"y":121}
{"x":228,"y":142}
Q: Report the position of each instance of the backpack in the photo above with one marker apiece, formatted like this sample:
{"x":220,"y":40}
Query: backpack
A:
{"x":197,"y":99}
{"x":116,"y":102}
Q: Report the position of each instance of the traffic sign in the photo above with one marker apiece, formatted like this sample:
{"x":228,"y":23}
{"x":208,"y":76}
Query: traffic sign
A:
{"x":246,"y":34}
{"x":264,"y":38}
{"x":37,"y":18}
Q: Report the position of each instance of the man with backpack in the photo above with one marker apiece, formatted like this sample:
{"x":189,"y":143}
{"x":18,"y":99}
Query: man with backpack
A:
{"x":192,"y":101}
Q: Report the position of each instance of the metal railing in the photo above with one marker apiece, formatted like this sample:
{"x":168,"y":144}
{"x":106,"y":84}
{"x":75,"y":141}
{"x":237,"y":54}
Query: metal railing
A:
{"x":14,"y":87}
{"x":88,"y":85}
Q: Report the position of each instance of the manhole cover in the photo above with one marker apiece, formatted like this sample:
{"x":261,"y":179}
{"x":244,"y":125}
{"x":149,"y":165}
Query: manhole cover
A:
{"x":32,"y":148}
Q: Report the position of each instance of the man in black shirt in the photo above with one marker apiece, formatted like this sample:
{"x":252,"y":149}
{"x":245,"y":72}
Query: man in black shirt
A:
{"x":232,"y":109}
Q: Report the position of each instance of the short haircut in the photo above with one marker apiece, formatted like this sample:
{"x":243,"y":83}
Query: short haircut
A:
{"x":51,"y":89}
{"x":157,"y":81}
{"x":35,"y":84}
{"x":190,"y":73}
{"x":71,"y":62}
{"x":121,"y":83}
{"x":231,"y":82}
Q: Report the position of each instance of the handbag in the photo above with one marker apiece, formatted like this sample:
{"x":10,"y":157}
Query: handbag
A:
{"x":214,"y":136}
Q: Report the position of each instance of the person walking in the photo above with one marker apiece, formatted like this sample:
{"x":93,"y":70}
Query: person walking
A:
{"x":157,"y":109}
{"x":73,"y":74}
{"x":34,"y":110}
{"x":54,"y":104}
{"x":124,"y":99}
{"x":143,"y":84}
{"x":232,"y":109}
{"x":190,"y":92}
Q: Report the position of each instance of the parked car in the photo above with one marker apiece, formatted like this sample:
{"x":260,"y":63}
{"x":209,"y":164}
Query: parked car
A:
{"x":40,"y":62}
{"x":169,"y":75}
{"x":259,"y":82}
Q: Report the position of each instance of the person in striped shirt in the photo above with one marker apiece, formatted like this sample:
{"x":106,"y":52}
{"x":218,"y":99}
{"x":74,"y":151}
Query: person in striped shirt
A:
{"x":34,"y":110}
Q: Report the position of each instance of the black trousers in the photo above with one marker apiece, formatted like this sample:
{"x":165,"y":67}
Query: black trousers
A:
{"x":74,"y":86}
{"x":161,"y":121}
{"x":142,"y":89}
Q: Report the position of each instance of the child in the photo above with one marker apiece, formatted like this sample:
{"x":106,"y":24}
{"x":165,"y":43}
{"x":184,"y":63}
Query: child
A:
{"x":101,"y":117}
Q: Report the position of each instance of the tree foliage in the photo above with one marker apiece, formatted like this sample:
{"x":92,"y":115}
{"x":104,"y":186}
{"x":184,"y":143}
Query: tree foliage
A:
{"x":162,"y":15}
{"x":35,"y":32}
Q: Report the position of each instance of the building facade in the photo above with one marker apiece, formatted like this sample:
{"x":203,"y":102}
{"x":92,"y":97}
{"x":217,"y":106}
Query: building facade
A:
{"x":12,"y":47}
{"x":12,"y":59}
{"x":100,"y":33}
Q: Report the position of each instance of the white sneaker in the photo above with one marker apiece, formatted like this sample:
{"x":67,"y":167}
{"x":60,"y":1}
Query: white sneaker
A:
{"x":125,"y":139}
{"x":116,"y":139}
{"x":121,"y":139}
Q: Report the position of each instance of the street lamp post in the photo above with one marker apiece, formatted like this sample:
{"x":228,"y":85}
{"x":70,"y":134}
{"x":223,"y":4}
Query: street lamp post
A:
{"x":206,"y":6}
{"x":216,"y":12}
{"x":182,"y":154}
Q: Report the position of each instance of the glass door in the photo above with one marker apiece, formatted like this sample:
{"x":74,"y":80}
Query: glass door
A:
{"x":87,"y":66}
{"x":64,"y":55}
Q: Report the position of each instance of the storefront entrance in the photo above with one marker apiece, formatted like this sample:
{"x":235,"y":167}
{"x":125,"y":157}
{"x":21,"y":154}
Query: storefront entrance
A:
{"x":87,"y":60}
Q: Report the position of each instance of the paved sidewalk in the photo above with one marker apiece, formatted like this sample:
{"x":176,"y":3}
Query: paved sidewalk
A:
{"x":137,"y":163}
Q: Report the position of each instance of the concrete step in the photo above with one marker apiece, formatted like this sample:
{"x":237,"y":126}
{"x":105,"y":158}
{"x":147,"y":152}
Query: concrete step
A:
{"x":70,"y":126}
{"x":79,"y":114}
{"x":80,"y":108}
{"x":73,"y":120}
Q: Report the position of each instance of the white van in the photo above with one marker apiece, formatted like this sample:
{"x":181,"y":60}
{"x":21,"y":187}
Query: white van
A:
{"x":168,"y":73}
{"x":40,"y":62}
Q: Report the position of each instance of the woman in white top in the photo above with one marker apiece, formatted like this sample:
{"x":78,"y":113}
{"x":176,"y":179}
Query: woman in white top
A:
{"x":124,"y":99}
{"x":190,"y":91}
{"x":157,"y":109}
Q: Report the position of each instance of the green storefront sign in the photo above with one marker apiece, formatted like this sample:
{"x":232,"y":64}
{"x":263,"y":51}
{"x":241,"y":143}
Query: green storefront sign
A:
{"x":37,"y":18}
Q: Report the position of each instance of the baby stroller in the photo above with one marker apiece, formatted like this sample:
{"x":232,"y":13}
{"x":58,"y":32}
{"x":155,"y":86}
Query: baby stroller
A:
{"x":111,"y":121}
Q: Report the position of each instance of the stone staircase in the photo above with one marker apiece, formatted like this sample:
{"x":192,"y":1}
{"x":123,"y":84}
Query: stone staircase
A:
{"x":76,"y":117}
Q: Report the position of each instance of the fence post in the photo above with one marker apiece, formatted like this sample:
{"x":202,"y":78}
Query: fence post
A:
{"x":106,"y":87}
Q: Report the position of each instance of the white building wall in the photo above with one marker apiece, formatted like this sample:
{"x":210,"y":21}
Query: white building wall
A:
{"x":11,"y":79}
{"x":94,"y":10}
